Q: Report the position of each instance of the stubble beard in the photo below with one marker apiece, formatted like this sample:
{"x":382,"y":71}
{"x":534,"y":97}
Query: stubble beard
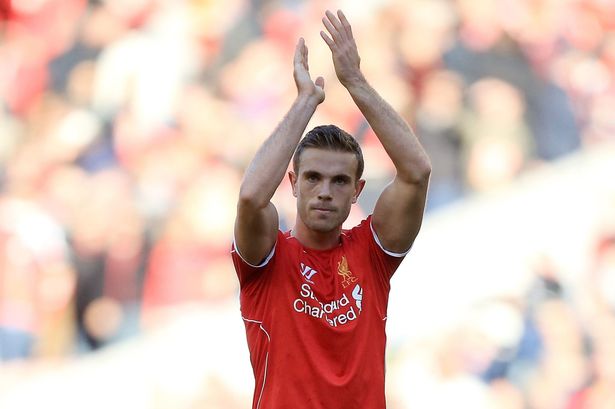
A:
{"x":322,"y":226}
{"x":326,"y":225}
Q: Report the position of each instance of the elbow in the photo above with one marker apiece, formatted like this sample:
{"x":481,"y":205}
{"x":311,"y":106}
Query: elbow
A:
{"x":424,"y":168}
{"x":425,"y":171}
{"x":423,"y":175}
{"x":418,"y":172}
{"x":251,"y":198}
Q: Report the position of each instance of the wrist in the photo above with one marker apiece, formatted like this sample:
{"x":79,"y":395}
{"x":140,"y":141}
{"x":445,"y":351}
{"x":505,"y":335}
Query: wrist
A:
{"x":356,"y":83}
{"x":308,"y":100}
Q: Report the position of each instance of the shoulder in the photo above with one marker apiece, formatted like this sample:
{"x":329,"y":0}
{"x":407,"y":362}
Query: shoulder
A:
{"x":246,"y":271}
{"x":359,"y":234}
{"x":364,"y":234}
{"x":362,"y":241}
{"x":360,"y":228}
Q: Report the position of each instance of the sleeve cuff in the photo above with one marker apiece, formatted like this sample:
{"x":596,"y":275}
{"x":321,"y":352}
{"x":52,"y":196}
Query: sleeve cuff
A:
{"x":377,"y":240}
{"x":262,"y":264}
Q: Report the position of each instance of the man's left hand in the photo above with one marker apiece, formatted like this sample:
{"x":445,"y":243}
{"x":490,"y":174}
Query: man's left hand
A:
{"x":341,"y":42}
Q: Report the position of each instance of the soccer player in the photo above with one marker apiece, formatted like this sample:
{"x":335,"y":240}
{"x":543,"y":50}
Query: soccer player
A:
{"x":314,"y":299}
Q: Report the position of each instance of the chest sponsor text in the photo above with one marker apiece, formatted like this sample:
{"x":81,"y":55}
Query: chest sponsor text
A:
{"x":336,"y":312}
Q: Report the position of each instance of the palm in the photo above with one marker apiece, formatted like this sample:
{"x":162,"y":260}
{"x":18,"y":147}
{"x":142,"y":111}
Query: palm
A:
{"x":305,"y":85}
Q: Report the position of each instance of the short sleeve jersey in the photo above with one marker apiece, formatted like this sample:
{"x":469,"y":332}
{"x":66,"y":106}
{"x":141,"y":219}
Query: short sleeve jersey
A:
{"x":315,"y":322}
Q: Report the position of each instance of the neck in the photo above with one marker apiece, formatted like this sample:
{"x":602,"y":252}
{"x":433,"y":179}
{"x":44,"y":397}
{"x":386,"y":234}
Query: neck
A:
{"x":315,"y":239}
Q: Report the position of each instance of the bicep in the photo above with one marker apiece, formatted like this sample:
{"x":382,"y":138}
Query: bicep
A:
{"x":398,"y":214}
{"x":255,"y":232}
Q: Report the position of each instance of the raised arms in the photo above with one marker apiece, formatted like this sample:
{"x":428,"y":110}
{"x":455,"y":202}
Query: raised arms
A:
{"x":256,"y":224}
{"x":398,"y":214}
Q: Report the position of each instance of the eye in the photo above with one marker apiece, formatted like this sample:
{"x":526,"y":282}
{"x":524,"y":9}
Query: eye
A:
{"x":340,"y":181}
{"x":311,"y":178}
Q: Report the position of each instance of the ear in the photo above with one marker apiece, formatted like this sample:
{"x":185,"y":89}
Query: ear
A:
{"x":358,"y":189}
{"x":293,"y":181}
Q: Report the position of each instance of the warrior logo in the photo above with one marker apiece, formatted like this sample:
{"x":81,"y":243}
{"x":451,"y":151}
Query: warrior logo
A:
{"x":342,"y":270}
{"x":307,"y":272}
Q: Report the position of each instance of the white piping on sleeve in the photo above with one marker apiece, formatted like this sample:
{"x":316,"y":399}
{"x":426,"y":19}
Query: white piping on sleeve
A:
{"x":390,"y":253}
{"x":263,"y":264}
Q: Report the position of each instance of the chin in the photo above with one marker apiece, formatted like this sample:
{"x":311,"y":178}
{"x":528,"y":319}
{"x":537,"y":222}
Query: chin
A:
{"x":324,"y":226}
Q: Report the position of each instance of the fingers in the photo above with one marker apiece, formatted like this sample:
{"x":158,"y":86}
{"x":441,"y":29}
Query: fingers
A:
{"x":301,"y":55}
{"x":338,"y":26}
{"x":304,"y":55}
{"x":333,"y":31}
{"x":328,"y":40}
{"x":299,"y":52}
{"x":333,"y":24}
{"x":301,"y":75}
{"x":345,"y":23}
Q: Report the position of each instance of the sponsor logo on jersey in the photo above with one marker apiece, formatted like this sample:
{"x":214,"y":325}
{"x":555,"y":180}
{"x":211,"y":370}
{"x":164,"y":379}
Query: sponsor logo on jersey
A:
{"x":335,"y":313}
{"x":357,"y":294}
{"x":307,"y":272}
{"x":344,"y":271}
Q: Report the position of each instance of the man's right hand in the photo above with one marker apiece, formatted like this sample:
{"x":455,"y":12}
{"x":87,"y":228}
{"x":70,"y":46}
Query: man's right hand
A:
{"x":313,"y":90}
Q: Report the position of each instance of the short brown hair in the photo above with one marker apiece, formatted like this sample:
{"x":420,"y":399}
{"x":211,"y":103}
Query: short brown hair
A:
{"x":332,"y":138}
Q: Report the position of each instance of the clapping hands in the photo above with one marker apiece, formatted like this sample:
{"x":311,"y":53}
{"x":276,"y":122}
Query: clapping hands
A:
{"x":346,"y":60}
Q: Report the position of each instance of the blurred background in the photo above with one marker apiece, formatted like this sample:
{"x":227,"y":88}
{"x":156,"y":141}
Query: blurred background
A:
{"x":125,"y":127}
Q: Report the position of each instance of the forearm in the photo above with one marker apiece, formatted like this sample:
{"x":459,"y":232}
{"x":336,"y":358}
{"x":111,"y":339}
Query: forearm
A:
{"x":399,"y":141}
{"x":269,"y":165}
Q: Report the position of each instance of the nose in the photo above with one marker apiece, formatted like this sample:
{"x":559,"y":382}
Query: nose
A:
{"x":324,"y":192}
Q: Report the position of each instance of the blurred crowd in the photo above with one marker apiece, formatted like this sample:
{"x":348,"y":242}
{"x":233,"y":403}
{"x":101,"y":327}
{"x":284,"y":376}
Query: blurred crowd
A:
{"x":553,"y":347}
{"x":125,"y":126}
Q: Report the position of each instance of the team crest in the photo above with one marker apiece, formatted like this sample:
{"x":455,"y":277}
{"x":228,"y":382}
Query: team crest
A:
{"x":344,"y":271}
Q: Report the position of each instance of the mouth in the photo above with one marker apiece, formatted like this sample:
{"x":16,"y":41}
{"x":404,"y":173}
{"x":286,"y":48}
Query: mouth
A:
{"x":322,"y":209}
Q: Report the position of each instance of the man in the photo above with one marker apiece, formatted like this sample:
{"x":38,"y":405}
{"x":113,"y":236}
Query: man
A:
{"x":314,"y":299}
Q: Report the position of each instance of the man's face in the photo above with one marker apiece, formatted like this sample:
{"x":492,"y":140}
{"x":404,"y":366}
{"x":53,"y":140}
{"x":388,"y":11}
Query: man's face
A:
{"x":325,"y":187}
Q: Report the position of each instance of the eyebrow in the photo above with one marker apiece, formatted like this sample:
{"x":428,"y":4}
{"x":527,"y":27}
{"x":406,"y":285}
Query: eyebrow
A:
{"x":343,"y":176}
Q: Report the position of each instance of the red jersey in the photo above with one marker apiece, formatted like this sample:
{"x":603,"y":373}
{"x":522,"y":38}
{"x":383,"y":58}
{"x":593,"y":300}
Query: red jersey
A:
{"x":315,"y":322}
